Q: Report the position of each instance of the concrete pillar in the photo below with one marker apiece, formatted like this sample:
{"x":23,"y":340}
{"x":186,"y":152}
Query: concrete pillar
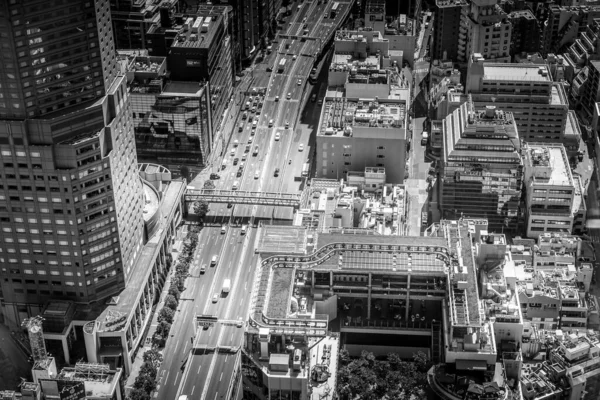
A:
{"x":312,"y":281}
{"x":65,"y":348}
{"x":369,"y":297}
{"x":330,"y":279}
{"x":407,"y":296}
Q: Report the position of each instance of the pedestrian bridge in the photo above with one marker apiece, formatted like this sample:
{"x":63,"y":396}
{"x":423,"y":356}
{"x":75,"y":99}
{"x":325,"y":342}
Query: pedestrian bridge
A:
{"x":243,"y":197}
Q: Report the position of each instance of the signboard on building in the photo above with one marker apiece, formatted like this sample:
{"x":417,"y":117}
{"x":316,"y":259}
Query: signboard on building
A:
{"x":71,"y":390}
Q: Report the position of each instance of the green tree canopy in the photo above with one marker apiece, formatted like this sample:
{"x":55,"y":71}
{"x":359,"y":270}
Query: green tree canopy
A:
{"x":171,"y":302}
{"x":200,"y":207}
{"x":166,"y":314}
{"x":367,"y":378}
{"x":209,"y":184}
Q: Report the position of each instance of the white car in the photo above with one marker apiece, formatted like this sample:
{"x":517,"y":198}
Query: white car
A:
{"x":232,"y":152}
{"x":301,"y":147}
{"x":276,"y":98}
{"x":293,"y":58}
{"x":257,"y":175}
{"x":289,"y":96}
{"x":240,"y":322}
{"x":299,"y":82}
{"x":270,"y":123}
{"x":277,"y":136}
{"x":215,"y":297}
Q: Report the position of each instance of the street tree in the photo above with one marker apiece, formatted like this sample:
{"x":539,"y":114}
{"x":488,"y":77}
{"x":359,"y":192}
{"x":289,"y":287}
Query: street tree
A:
{"x":200,"y":208}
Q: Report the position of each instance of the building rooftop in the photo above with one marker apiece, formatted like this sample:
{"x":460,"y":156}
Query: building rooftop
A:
{"x":363,"y":118}
{"x":550,"y":164}
{"x":282,"y":239}
{"x":184,"y":88}
{"x":451,"y":3}
{"x":198,"y":32}
{"x":516,"y":72}
{"x":99,"y":380}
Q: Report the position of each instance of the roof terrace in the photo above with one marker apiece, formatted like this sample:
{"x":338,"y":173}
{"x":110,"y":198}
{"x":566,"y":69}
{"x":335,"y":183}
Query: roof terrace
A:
{"x":384,"y":119}
{"x":516,"y":72}
{"x":197,"y":32}
{"x":550,"y":165}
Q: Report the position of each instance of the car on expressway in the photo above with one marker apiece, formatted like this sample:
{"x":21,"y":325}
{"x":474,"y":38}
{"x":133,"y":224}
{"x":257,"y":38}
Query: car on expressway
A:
{"x":277,"y":136}
{"x":240,"y":322}
{"x":214,"y":260}
{"x":287,"y":124}
{"x":214,"y":176}
{"x":257,"y":174}
{"x":276,"y":98}
{"x":223,"y":229}
{"x":270,"y":123}
{"x":232,"y":152}
{"x":215,"y":297}
{"x":203,"y":268}
{"x":299,"y":82}
{"x":276,"y":172}
{"x":235,"y":161}
{"x":301,"y":147}
{"x":289,"y":96}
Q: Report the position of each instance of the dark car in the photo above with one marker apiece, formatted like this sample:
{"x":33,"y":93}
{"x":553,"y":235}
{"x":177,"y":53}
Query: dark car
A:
{"x":269,"y":69}
{"x":276,"y":171}
{"x":235,"y":161}
{"x":215,"y":176}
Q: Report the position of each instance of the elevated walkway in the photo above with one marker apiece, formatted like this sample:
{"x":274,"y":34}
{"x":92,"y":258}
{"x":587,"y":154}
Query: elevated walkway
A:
{"x":243,"y":197}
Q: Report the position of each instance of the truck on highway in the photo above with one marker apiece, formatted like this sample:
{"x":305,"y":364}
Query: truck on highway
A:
{"x":227,"y":285}
{"x":424,"y":138}
{"x":305,"y":169}
{"x":281,"y":66}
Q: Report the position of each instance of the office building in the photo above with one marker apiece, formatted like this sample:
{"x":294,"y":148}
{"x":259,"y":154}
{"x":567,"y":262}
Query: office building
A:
{"x":482,"y":170}
{"x":550,"y":195}
{"x":446,"y":25}
{"x":484,"y":29}
{"x":540,"y":106}
{"x":526,"y":32}
{"x":132,"y":19}
{"x":172,"y":119}
{"x":72,"y":200}
{"x":201,"y":52}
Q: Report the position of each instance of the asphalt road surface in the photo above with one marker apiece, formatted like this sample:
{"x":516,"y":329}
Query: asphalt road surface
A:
{"x":200,"y":365}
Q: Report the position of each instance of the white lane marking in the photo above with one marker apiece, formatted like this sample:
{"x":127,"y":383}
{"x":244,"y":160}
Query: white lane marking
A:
{"x":193,"y":388}
{"x":175,"y":381}
{"x":221,"y":377}
{"x":199,"y":366}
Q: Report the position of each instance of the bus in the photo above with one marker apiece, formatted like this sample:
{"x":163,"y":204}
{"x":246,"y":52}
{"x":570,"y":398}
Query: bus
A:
{"x":305,"y":169}
{"x":334,"y":10}
{"x":281,"y":67}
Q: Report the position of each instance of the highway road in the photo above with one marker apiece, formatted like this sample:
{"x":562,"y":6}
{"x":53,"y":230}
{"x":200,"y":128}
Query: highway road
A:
{"x":208,"y":371}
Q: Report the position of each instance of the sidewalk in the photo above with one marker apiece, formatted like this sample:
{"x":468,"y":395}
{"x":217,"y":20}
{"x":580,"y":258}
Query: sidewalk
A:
{"x":146,"y":342}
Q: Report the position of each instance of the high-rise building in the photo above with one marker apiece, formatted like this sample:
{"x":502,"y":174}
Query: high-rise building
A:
{"x":70,"y":197}
{"x":445,"y":29}
{"x":132,"y":18}
{"x":482,"y":170}
{"x":202,"y":52}
{"x":526,"y":32}
{"x":485,"y":29}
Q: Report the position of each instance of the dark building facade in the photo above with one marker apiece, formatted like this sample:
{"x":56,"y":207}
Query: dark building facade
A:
{"x":132,"y":18}
{"x":526,"y":33}
{"x":446,"y":29}
{"x":202,"y":53}
{"x":70,"y":196}
{"x":172,"y":123}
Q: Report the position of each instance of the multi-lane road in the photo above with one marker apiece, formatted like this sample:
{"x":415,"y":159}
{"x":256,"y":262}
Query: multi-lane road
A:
{"x":203,"y":364}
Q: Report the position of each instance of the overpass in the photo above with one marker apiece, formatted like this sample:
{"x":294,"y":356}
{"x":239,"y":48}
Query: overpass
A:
{"x":243,"y":197}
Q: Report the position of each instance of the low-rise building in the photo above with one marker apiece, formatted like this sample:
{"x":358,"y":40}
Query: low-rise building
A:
{"x":355,"y":134}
